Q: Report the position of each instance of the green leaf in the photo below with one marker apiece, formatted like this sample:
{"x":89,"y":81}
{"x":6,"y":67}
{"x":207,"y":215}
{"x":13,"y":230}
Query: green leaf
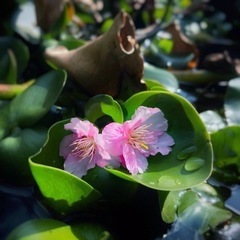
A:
{"x":31,"y":105}
{"x":198,"y":211}
{"x":47,"y":229}
{"x":226,"y":147}
{"x":51,"y":229}
{"x":232,"y":102}
{"x":11,"y":73}
{"x":192,"y":144}
{"x":101,"y":105}
{"x":14,"y":152}
{"x":194,"y":212}
{"x":18,"y":50}
{"x":170,"y":206}
{"x":63,"y":193}
{"x":164,"y":77}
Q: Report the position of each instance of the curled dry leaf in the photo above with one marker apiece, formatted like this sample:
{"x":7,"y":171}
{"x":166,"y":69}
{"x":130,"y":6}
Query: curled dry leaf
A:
{"x":104,"y":64}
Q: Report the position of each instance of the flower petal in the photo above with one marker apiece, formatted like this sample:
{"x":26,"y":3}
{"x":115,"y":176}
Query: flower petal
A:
{"x":135,"y":162}
{"x":81,"y":128}
{"x":65,"y":149}
{"x":78,"y":167}
{"x":163,"y":146}
{"x":113,"y":137}
{"x":103,"y":158}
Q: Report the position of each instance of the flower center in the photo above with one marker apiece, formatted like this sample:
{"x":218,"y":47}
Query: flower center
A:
{"x":83,"y":147}
{"x":140,"y":137}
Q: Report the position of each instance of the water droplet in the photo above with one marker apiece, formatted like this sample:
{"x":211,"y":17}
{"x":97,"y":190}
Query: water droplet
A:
{"x":152,"y":183}
{"x":194,"y":163}
{"x":186,"y":152}
{"x":168,"y":181}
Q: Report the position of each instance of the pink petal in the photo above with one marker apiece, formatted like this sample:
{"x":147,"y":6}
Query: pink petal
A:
{"x":78,"y":167}
{"x":164,"y":145}
{"x":65,"y":149}
{"x":135,"y":162}
{"x":103,"y":158}
{"x":152,"y":117}
{"x":81,"y":128}
{"x":113,"y":137}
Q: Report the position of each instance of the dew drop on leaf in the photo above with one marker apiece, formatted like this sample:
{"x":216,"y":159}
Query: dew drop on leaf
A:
{"x":186,"y":152}
{"x":168,"y":181}
{"x":194,"y":163}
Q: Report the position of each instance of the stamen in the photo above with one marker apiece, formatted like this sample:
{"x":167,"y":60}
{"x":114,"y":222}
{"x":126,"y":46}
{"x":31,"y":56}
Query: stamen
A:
{"x":83,"y":147}
{"x":140,"y":137}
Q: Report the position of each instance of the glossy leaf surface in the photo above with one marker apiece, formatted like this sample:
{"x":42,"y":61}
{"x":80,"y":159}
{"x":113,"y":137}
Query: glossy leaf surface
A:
{"x":62,"y":192}
{"x":178,"y":170}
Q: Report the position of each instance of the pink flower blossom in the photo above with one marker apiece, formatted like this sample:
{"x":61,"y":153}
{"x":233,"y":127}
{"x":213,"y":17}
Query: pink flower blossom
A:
{"x":83,"y":149}
{"x":136,"y":139}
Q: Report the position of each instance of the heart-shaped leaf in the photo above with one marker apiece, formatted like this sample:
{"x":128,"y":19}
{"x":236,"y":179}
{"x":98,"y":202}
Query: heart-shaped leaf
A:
{"x":101,"y":105}
{"x":190,"y":161}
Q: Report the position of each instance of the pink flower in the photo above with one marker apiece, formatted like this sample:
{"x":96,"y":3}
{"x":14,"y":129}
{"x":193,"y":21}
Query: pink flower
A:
{"x":136,"y":139}
{"x":83,"y":149}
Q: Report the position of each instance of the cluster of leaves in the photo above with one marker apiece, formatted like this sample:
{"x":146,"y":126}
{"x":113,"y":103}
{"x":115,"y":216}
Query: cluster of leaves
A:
{"x":184,"y":194}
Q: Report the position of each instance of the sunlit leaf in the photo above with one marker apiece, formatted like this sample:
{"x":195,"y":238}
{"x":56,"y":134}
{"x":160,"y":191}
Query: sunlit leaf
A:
{"x":63,"y":193}
{"x":101,"y":105}
{"x":47,"y":229}
{"x":192,"y":143}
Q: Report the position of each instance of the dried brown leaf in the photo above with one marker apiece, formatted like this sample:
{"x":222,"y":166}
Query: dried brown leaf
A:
{"x":105,"y":63}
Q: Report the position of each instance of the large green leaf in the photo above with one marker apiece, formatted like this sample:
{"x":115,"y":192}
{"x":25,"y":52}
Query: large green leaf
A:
{"x":51,"y":229}
{"x":46,"y":229}
{"x":190,"y":161}
{"x":232,"y":102}
{"x":63,"y":193}
{"x":31,"y":105}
